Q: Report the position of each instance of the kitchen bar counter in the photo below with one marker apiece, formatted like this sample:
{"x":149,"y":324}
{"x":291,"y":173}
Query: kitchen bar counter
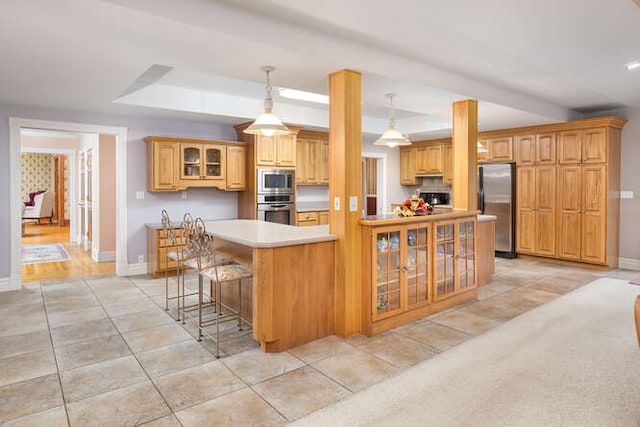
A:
{"x":292,"y":298}
{"x":262,"y":234}
{"x":437,"y":215}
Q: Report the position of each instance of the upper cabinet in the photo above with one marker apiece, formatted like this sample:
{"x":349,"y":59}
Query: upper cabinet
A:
{"x":583,"y":146}
{"x":277,"y":150}
{"x":407,"y":168}
{"x":202,"y":162}
{"x":536,"y":149}
{"x":447,"y":164}
{"x":497,"y":149}
{"x":428,"y":159}
{"x":175,"y":164}
{"x":312,"y":158}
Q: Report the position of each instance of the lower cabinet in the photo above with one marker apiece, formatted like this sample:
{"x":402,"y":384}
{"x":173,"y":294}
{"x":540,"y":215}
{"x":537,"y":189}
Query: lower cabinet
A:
{"x":536,"y":210}
{"x":455,"y":267}
{"x":417,"y":269}
{"x":312,"y":218}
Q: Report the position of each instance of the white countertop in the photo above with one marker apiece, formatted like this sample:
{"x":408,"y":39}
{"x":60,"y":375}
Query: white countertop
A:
{"x":262,"y":234}
{"x":482,"y":218}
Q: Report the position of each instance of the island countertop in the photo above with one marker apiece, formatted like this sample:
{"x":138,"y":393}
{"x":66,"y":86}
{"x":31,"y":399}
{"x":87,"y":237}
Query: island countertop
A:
{"x":262,"y":234}
{"x":376,"y":220}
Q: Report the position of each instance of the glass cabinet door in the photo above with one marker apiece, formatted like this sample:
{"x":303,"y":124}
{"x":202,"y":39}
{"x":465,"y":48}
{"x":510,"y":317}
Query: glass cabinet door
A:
{"x":386,"y":296}
{"x":466,"y":254}
{"x":445,"y":257}
{"x":418,"y":265}
{"x":213,"y":163}
{"x":191,"y":162}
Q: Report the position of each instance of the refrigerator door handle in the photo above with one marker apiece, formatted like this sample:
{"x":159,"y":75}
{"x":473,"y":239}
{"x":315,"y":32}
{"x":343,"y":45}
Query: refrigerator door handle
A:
{"x":481,"y":189}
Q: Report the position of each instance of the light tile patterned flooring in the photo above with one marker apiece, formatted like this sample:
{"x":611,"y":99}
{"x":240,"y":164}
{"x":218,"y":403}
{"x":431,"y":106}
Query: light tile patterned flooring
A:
{"x":102,"y":351}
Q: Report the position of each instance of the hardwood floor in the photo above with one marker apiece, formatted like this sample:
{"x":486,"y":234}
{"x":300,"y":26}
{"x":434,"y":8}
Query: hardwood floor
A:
{"x":80,"y":264}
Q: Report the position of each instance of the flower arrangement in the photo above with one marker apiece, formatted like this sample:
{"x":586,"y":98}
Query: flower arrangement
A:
{"x":412,"y":207}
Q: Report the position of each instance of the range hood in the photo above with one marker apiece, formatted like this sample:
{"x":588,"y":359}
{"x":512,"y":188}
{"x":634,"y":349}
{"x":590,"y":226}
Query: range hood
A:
{"x":426,"y":175}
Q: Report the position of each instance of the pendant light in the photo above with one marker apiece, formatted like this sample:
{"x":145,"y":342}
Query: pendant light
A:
{"x":267,"y":123}
{"x":392,"y":137}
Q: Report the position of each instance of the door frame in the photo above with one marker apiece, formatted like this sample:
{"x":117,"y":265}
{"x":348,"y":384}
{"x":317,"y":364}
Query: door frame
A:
{"x":382,"y":192}
{"x":15,"y":173}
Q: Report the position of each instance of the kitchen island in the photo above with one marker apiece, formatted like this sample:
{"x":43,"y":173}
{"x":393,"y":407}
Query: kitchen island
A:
{"x":292,"y":298}
{"x":416,"y":266}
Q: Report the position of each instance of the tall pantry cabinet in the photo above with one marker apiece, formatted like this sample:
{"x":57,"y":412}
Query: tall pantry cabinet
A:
{"x":568,"y":190}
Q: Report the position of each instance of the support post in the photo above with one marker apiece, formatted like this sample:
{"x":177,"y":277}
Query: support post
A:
{"x":345,"y":189}
{"x":465,"y":163}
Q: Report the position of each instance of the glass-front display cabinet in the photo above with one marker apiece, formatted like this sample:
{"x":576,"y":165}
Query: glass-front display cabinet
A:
{"x":200,"y":161}
{"x":455,"y":258}
{"x":402,"y":270}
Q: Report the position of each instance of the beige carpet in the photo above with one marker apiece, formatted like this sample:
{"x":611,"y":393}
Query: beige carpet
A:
{"x":572,"y":362}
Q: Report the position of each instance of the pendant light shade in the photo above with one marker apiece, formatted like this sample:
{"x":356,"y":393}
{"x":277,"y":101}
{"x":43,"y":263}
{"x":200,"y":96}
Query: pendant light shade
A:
{"x":267,"y":123}
{"x":392,"y":137}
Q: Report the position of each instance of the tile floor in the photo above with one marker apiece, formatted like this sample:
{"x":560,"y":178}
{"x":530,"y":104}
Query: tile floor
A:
{"x":102,"y":351}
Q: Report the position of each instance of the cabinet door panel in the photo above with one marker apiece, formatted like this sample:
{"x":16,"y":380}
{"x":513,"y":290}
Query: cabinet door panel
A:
{"x":545,"y":187}
{"x":546,"y":233}
{"x":213,"y":162}
{"x":324,"y":162}
{"x":570,"y":146}
{"x":526,"y":187}
{"x":313,"y":162}
{"x":286,"y":155}
{"x":236,"y":168}
{"x":266,"y":150}
{"x":407,"y":168}
{"x":594,"y":199}
{"x":447,"y":164}
{"x":501,"y":149}
{"x":594,"y":146}
{"x":546,"y":148}
{"x":301,"y":166}
{"x":525,"y":149}
{"x":569,"y":208}
{"x":191,"y":160}
{"x":434,"y":159}
{"x":165,"y":173}
{"x":526,"y":230}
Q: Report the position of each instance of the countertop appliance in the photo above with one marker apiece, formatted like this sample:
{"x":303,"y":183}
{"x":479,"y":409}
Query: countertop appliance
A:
{"x":435,"y":199}
{"x":276,"y":181}
{"x":496,"y":196}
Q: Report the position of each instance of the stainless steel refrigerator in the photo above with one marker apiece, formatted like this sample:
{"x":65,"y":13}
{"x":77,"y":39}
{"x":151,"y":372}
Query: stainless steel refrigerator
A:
{"x":496,"y":196}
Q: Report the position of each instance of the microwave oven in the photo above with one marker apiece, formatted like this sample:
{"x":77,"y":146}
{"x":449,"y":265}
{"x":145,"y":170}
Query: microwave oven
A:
{"x":276,"y":181}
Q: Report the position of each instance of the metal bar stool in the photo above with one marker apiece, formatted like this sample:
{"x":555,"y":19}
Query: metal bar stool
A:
{"x":201,"y":244}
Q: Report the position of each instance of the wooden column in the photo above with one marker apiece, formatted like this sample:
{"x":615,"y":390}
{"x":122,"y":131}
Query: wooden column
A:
{"x":345,"y":182}
{"x":465,"y":163}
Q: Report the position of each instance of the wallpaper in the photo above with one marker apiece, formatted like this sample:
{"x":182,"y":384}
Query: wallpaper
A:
{"x":37,"y":173}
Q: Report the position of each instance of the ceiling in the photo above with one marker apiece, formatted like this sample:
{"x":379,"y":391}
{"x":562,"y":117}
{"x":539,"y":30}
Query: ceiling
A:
{"x":526,"y":62}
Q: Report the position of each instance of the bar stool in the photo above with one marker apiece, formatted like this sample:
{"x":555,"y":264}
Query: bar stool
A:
{"x":178,"y":255}
{"x":201,"y":244}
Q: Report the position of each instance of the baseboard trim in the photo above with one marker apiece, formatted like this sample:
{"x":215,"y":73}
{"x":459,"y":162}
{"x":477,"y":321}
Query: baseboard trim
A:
{"x":136,"y":269}
{"x":629,"y":263}
{"x":11,"y":283}
{"x":105,"y":256}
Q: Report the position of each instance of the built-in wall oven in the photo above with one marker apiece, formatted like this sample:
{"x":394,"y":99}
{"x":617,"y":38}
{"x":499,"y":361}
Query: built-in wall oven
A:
{"x":276,"y":196}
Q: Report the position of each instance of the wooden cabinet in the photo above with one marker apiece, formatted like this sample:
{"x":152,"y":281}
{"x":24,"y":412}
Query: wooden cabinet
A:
{"x":200,"y":163}
{"x":312,"y":218}
{"x":306,"y":218}
{"x":428,"y":159}
{"x":157,"y":247}
{"x":175,"y":164}
{"x":536,"y":210}
{"x":582,"y":146}
{"x":455,"y":266}
{"x":498,"y":149}
{"x":236,"y":168}
{"x":537,"y":149}
{"x":447,"y":164}
{"x":277,"y":150}
{"x":407,"y":168}
{"x":312,"y":157}
{"x":308,"y":161}
{"x":582,"y":199}
{"x":402,"y":267}
{"x":324,"y":162}
{"x":162,"y":165}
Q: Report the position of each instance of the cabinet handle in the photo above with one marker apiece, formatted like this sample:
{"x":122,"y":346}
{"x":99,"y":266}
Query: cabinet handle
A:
{"x":404,"y":269}
{"x":306,"y":216}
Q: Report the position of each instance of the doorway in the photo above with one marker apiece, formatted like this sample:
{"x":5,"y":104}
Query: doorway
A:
{"x":119,"y":135}
{"x":374,"y":183}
